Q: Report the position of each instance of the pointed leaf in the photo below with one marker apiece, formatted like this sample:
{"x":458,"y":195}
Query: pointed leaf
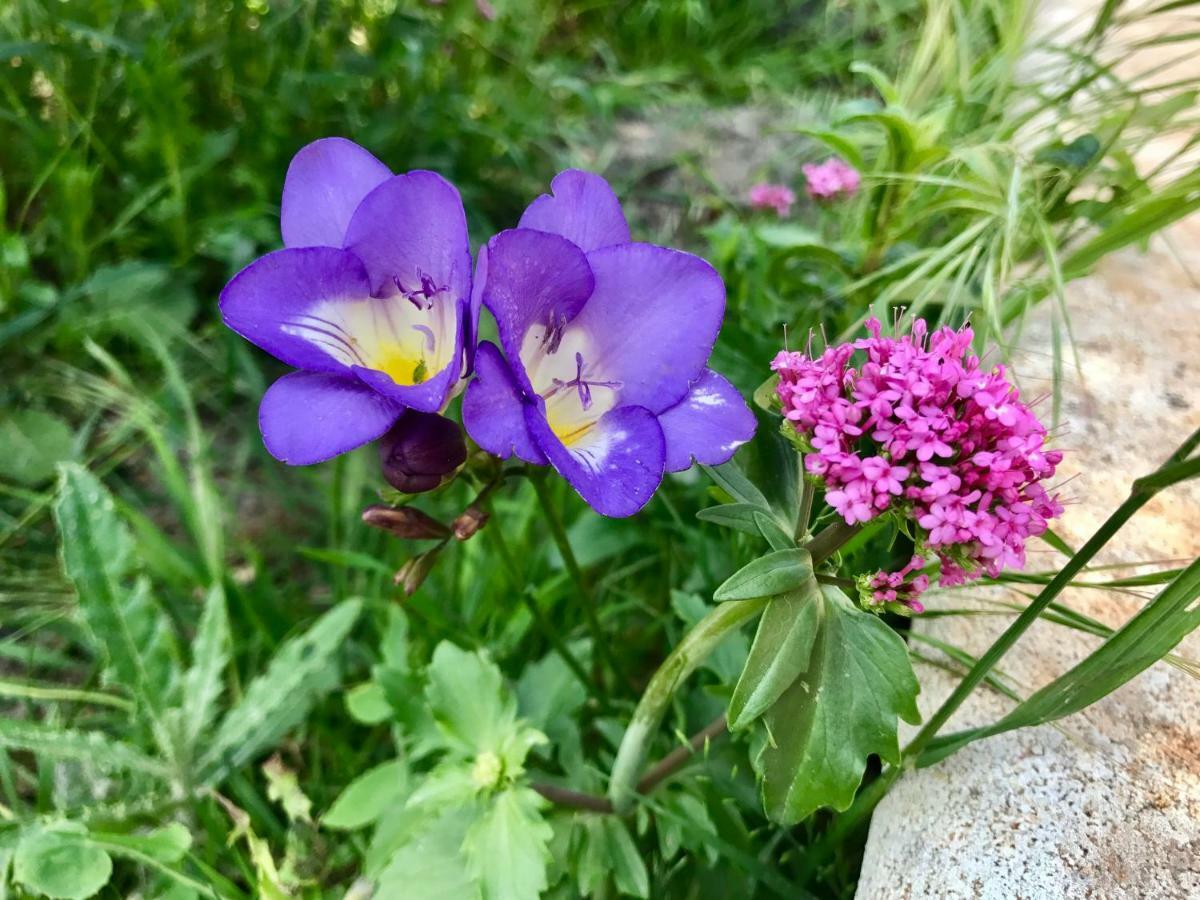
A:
{"x":302,"y":670}
{"x":780,"y":653}
{"x":738,"y":516}
{"x":131,"y":633}
{"x":774,"y":573}
{"x":203,"y":683}
{"x":90,"y":747}
{"x":840,"y":710}
{"x":368,"y":796}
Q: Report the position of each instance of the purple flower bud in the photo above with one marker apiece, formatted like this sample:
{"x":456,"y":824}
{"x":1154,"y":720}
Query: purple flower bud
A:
{"x":421,"y":452}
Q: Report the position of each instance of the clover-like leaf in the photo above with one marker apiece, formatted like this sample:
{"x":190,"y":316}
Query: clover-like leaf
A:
{"x":841,"y":709}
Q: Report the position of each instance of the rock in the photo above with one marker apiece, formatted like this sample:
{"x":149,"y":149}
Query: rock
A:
{"x":1107,"y":802}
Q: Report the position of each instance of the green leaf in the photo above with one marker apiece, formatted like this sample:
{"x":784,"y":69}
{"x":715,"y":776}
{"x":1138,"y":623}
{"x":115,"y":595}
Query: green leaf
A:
{"x":433,"y":861}
{"x":469,"y":700}
{"x":841,"y":709}
{"x":302,"y":670}
{"x":774,"y":573}
{"x":738,"y":516}
{"x":609,"y":851}
{"x":368,"y":703}
{"x":91,"y":748}
{"x":550,"y":696}
{"x":506,"y":846}
{"x":1139,"y":643}
{"x":780,"y":653}
{"x":168,"y":845}
{"x":368,"y":796}
{"x":59,"y":862}
{"x":203,"y":682}
{"x":733,"y":482}
{"x":34,"y":443}
{"x":131,"y":632}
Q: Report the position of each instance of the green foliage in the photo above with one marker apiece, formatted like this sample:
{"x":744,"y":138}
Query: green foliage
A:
{"x":775,"y":573}
{"x":839,"y":710}
{"x":180,"y":607}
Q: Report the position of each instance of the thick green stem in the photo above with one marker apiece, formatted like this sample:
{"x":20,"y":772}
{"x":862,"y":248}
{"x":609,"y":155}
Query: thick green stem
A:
{"x":695,"y":647}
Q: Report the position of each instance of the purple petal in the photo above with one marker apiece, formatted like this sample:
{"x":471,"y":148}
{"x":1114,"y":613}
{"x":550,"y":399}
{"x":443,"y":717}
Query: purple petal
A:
{"x":651,"y":321}
{"x":429,"y":395}
{"x":493,"y":410}
{"x":410,"y":232}
{"x":308,"y":417}
{"x":325,"y":183}
{"x":472,"y":329}
{"x":616,"y":466}
{"x":582,"y":208}
{"x":274,"y":301}
{"x":533,"y":278}
{"x":707,"y":425}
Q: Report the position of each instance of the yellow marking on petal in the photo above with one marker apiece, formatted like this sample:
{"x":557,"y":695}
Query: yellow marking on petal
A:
{"x":399,"y":364}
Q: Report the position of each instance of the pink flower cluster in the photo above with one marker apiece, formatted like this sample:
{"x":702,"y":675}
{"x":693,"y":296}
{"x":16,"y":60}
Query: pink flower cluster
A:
{"x":887,"y":588}
{"x":778,"y":197}
{"x":918,"y":425}
{"x":830,"y":179}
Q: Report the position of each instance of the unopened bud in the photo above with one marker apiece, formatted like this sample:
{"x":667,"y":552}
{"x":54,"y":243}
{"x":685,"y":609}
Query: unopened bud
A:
{"x":472,"y":519}
{"x":421,"y":452}
{"x":413,"y":573}
{"x":406,"y":522}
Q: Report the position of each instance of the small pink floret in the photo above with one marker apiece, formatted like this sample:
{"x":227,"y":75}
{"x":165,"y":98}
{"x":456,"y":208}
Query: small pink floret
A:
{"x":778,"y":197}
{"x":831,"y":179}
{"x":920,"y":426}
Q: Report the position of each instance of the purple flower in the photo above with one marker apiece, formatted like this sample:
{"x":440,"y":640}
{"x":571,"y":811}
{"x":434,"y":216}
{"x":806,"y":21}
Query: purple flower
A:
{"x":830,"y":179}
{"x":369,"y":300}
{"x":778,"y":197}
{"x":605,"y":343}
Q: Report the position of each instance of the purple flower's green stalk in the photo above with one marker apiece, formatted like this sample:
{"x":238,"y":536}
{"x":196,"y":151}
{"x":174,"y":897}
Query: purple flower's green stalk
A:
{"x":695,"y":647}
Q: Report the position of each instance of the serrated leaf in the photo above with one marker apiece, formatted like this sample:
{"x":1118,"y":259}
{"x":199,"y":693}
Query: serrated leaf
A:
{"x":203,"y":682}
{"x":59,"y":862}
{"x":506,"y":846}
{"x":368,"y":796}
{"x":433,"y":861}
{"x":775,"y":573}
{"x":302,"y":670}
{"x":284,"y":788}
{"x":131,"y":633}
{"x":92,"y":748}
{"x":469,"y":701}
{"x":780,"y":653}
{"x":840,"y":710}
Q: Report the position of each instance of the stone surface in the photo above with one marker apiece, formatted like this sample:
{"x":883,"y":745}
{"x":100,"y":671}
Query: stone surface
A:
{"x":1105,"y":803}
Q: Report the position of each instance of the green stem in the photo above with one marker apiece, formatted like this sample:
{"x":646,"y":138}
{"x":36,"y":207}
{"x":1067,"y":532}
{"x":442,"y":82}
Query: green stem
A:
{"x":682,"y":661}
{"x":562,"y":541}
